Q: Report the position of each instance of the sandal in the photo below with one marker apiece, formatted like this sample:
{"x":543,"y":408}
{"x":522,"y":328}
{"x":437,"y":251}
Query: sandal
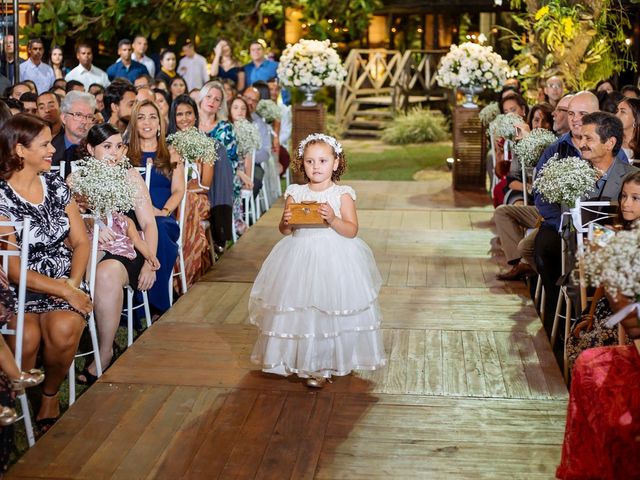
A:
{"x":8,"y":416}
{"x":89,"y":378}
{"x":27,"y":379}
{"x":44,"y":424}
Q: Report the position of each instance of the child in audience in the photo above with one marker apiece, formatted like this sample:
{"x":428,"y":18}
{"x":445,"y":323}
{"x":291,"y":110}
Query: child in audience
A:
{"x":315,"y":299}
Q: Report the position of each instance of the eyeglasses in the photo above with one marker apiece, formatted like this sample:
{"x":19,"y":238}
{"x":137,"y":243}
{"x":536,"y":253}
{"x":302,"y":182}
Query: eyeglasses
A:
{"x":554,"y":85}
{"x":81,"y":116}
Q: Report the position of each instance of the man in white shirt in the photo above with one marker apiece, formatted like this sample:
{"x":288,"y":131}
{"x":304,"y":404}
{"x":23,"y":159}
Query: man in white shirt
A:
{"x":34,"y":69}
{"x":193,"y":67}
{"x":87,"y":73}
{"x":140,"y":46}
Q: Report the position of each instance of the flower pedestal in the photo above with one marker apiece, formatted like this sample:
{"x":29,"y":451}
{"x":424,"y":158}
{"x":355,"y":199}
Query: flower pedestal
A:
{"x":469,"y":93}
{"x":305,"y":120}
{"x":469,"y":150}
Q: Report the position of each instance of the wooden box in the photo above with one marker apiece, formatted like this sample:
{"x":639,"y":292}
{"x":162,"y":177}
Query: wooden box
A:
{"x":469,"y":150}
{"x":306,"y":215}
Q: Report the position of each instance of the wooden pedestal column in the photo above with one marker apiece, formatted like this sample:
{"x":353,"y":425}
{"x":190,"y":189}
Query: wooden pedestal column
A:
{"x":306,"y":120}
{"x":469,"y":150}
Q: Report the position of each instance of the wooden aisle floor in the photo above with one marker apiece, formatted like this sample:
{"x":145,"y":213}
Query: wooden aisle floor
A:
{"x":471,"y":391}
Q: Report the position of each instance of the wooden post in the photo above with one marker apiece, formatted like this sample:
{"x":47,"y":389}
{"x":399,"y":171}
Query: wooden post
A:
{"x":469,"y":150}
{"x":306,"y":120}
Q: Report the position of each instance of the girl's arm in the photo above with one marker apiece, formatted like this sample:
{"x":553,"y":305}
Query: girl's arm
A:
{"x":286,"y":216}
{"x":347,"y":226}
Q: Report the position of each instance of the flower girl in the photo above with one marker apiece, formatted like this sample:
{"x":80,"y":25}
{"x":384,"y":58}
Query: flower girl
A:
{"x":315,"y":299}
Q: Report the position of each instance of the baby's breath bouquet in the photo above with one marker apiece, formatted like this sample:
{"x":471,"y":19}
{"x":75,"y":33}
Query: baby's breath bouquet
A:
{"x":106,"y":187}
{"x":268,"y":110}
{"x":531,"y":147}
{"x":247,"y":135}
{"x":504,"y":125}
{"x":489,"y":113}
{"x":194,"y":146}
{"x":616,"y":265}
{"x":564,"y":180}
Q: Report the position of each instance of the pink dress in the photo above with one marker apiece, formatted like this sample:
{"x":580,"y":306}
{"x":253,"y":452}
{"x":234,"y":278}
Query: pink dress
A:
{"x":122,"y":245}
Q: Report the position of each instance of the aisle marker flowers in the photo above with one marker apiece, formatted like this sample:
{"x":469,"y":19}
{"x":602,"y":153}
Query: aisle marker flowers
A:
{"x":247,"y":135}
{"x":489,"y":113}
{"x":504,"y":125}
{"x":473,"y":65}
{"x":564,"y":180}
{"x":106,"y":187}
{"x":194,"y":146}
{"x":311,"y":63}
{"x":531,"y":147}
{"x":268,"y":110}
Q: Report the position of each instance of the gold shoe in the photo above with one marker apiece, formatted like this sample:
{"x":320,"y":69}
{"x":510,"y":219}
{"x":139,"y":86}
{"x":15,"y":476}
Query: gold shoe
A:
{"x":8,"y":416}
{"x":27,"y":379}
{"x":316,"y":382}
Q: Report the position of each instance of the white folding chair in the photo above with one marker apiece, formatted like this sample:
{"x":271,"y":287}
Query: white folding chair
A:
{"x":22,"y":252}
{"x":581,"y":228}
{"x":248,"y":201}
{"x":93,"y":263}
{"x":59,"y":169}
{"x":262,"y":194}
{"x":181,"y":267}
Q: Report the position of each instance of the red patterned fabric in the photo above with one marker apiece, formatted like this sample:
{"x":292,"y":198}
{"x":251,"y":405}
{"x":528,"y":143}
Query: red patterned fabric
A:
{"x":602,"y":435}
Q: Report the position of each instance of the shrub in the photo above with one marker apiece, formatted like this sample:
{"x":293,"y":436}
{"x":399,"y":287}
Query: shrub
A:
{"x":417,"y":126}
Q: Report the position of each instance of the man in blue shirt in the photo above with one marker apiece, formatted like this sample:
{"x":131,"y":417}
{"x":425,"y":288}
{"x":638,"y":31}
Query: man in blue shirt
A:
{"x":261,"y":68}
{"x":125,"y":66}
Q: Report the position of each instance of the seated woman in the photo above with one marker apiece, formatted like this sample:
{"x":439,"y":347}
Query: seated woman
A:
{"x":197,"y":258}
{"x":147,"y":144}
{"x":116,"y":269}
{"x":598,"y":335}
{"x":628,"y":111}
{"x":59,"y":250}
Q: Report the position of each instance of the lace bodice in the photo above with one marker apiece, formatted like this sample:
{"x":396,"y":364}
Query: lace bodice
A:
{"x":332,"y":195}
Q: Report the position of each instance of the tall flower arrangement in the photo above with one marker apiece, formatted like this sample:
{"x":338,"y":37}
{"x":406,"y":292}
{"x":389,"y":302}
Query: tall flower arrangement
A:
{"x":472,"y":65}
{"x":312,"y":63}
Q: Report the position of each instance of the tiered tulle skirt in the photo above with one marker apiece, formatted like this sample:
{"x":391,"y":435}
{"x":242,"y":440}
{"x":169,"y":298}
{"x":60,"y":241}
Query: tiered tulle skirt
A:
{"x":315,"y":302}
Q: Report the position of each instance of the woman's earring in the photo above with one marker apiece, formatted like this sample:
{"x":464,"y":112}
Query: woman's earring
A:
{"x":158,"y":134}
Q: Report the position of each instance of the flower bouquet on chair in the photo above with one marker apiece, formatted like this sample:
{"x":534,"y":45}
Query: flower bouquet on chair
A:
{"x":564,"y":180}
{"x":194,"y":146}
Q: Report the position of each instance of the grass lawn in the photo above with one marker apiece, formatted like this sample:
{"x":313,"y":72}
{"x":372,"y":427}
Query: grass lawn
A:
{"x":374,"y":160}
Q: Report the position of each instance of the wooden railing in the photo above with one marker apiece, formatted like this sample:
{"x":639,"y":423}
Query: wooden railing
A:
{"x":385,"y":73}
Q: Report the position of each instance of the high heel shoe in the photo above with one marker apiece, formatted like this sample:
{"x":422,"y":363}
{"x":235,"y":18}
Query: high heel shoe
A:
{"x":27,"y":379}
{"x":8,"y":416}
{"x":44,"y":424}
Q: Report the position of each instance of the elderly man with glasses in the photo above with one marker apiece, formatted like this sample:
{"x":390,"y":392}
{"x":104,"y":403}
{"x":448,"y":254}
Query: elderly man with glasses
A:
{"x":78,"y":116}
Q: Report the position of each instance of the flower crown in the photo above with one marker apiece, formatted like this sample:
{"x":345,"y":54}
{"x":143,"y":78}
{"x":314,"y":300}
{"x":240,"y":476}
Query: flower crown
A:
{"x":320,"y":137}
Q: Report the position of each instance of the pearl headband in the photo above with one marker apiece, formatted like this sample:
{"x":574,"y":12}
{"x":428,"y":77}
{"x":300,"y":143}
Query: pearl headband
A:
{"x":320,"y":137}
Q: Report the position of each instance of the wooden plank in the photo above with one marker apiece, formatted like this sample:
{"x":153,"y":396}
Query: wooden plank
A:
{"x":436,"y":276}
{"x":397,"y":368}
{"x":434,"y":364}
{"x":473,"y":276}
{"x":515,"y":379}
{"x":417,"y":274}
{"x":474,"y":369}
{"x":454,"y":273}
{"x":532,"y":368}
{"x":416,"y":356}
{"x":455,"y":381}
{"x":398,"y":272}
{"x":494,"y":381}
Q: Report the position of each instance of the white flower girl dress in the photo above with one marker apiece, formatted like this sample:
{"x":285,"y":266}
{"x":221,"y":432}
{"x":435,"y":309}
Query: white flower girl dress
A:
{"x":315,"y":300}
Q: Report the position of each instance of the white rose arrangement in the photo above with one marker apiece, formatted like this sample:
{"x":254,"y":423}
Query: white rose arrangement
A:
{"x":471,"y":64}
{"x":194,"y":146}
{"x":313,"y":63}
{"x":105,"y":186}
{"x":247,"y":135}
{"x":268,"y":110}
{"x":531,"y":147}
{"x":564,"y":180}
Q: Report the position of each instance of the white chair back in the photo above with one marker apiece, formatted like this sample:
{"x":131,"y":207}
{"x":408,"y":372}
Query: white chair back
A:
{"x":60,"y":169}
{"x":593,"y":210}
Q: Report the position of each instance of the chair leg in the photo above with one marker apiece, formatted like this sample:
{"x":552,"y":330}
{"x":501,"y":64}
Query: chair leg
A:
{"x":567,"y":332}
{"x":72,"y":383}
{"x":212,"y":250}
{"x":171,"y":289}
{"x":556,"y":319}
{"x":183,"y":272}
{"x":129,"y":316}
{"x":26,"y":418}
{"x":96,"y":346}
{"x":147,"y":310}
{"x":543,"y":301}
{"x":536,"y":296}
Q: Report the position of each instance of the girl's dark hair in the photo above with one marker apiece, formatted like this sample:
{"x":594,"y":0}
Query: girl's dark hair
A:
{"x":634,"y":104}
{"x":21,"y":128}
{"x":183,"y":99}
{"x":609,"y":102}
{"x":5,"y":113}
{"x":165,"y":52}
{"x":516,"y":98}
{"x":238,"y":97}
{"x":298,"y":161}
{"x":547,"y":111}
{"x":631,"y":177}
{"x":97,"y":134}
{"x":164,"y":93}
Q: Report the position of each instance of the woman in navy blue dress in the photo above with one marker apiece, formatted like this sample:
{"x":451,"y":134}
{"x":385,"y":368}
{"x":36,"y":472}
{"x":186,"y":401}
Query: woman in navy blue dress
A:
{"x":147,"y":145}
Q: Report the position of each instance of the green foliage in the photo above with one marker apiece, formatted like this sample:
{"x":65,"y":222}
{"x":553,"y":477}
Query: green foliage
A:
{"x":582,"y":42}
{"x":417,"y":126}
{"x":238,"y":20}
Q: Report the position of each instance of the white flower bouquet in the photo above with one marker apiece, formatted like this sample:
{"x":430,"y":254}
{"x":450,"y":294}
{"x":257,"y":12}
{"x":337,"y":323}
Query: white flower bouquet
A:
{"x":489,"y":113}
{"x":471,"y":64}
{"x":106,"y":187}
{"x":564,"y":180}
{"x":194,"y":146}
{"x":268,"y":110}
{"x":616,"y":265}
{"x":504,"y":125}
{"x":312,"y":63}
{"x":531,"y":147}
{"x":247,"y":135}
